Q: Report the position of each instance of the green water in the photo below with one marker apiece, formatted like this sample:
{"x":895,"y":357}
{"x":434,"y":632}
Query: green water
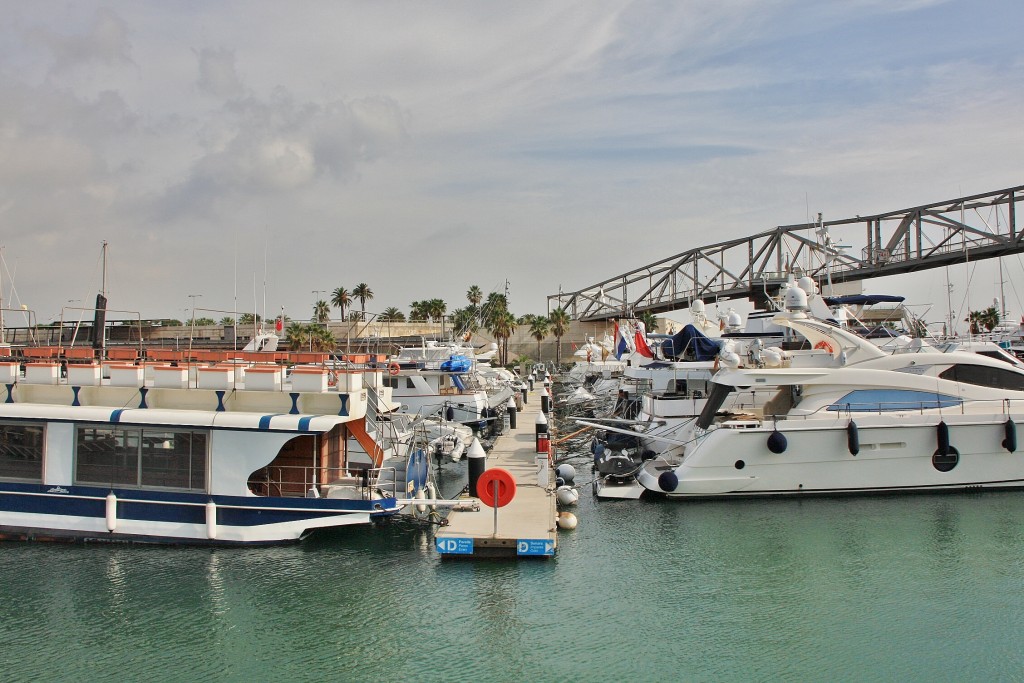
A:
{"x":923,"y":588}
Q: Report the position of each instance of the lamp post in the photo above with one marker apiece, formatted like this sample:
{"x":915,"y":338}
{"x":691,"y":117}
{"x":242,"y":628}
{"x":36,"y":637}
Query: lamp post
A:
{"x":192,"y":322}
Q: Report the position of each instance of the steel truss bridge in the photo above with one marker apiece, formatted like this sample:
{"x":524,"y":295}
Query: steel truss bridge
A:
{"x":971,"y":228}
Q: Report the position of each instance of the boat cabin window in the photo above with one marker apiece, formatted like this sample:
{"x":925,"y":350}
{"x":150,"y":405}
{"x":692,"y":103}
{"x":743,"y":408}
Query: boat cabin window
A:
{"x":985,"y":376}
{"x":150,"y":458}
{"x":21,"y":452}
{"x":881,"y":400}
{"x":391,"y":382}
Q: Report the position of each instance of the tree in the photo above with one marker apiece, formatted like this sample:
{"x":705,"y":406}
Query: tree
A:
{"x":302,"y":337}
{"x":539,"y":330}
{"x":340,"y":299}
{"x":362,"y":292}
{"x":227,"y":320}
{"x":988,"y":319}
{"x":392,"y":314}
{"x":418,"y":311}
{"x":321,"y":312}
{"x":492,"y":309}
{"x":559,"y":320}
{"x":198,"y":322}
{"x":503,"y":325}
{"x":464,"y":320}
{"x":354,"y":316}
{"x":437,"y":308}
{"x":249,"y":318}
{"x":475,"y":296}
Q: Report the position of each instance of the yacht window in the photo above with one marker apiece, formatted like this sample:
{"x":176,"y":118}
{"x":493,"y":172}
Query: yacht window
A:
{"x":678,"y":386}
{"x":21,"y":452}
{"x":151,"y":458}
{"x":880,"y":400}
{"x":985,"y":376}
{"x":999,"y":355}
{"x":409,"y":384}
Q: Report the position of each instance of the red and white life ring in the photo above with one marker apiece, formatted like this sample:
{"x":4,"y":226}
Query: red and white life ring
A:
{"x":394,"y":369}
{"x":825,"y":345}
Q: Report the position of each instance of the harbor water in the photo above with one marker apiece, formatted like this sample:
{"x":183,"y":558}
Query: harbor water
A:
{"x":921,"y":588}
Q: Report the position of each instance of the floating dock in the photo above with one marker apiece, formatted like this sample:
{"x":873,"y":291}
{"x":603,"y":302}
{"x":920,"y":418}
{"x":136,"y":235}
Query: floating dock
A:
{"x":527,"y":525}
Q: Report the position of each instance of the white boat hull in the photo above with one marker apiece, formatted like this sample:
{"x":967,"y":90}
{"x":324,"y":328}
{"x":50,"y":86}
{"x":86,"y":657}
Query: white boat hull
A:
{"x":818,"y":460}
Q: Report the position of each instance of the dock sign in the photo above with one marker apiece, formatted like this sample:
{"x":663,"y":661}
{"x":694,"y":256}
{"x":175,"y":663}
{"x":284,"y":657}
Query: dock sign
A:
{"x":535,"y":546}
{"x":454,"y":546}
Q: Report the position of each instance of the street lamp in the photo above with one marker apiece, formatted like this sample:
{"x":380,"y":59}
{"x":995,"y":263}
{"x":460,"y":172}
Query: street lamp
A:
{"x":192,"y":322}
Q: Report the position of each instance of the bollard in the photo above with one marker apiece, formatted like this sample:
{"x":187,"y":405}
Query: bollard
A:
{"x":477,"y":460}
{"x":511,"y":415}
{"x":541,"y":429}
{"x":545,"y":401}
{"x":531,"y":382}
{"x":524,"y":395}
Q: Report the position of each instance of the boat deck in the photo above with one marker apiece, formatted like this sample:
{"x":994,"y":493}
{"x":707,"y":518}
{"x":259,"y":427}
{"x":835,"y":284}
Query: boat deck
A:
{"x":526,"y":527}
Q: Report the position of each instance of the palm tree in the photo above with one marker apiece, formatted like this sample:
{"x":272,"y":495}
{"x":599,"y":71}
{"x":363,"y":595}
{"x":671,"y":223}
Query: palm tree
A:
{"x":493,"y":308}
{"x":227,"y":320}
{"x":418,"y":311}
{"x":437,"y":308}
{"x":362,"y":292}
{"x":988,"y":319}
{"x":475,"y":295}
{"x":539,"y":330}
{"x":559,"y":320}
{"x":340,"y":299}
{"x":301,"y":337}
{"x":502,"y":328}
{"x":392,"y":314}
{"x":321,"y":312}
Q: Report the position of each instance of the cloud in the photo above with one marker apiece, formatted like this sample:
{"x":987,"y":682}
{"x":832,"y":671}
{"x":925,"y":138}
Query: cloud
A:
{"x":106,"y":42}
{"x":217,"y":74}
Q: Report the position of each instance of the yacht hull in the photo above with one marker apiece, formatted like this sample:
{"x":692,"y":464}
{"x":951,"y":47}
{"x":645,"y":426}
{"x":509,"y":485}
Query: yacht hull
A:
{"x":902,"y":456}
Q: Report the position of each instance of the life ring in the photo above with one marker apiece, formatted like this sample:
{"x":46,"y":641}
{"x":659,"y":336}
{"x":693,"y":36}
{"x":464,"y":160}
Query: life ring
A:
{"x":824,"y":345}
{"x":496,"y":487}
{"x":394,"y":369}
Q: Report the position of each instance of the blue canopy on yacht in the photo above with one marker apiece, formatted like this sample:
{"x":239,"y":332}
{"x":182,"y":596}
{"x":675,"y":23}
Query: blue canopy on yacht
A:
{"x":691,"y":342}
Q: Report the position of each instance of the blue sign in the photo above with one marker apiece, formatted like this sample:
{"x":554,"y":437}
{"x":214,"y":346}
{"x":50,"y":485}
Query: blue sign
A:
{"x":535,"y":546}
{"x":454,"y":546}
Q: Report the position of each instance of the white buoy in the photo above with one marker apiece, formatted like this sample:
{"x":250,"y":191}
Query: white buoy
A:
{"x":111,"y":511}
{"x":566,"y":520}
{"x":211,"y":520}
{"x":566,"y":495}
{"x":566,"y":472}
{"x":421,"y":495}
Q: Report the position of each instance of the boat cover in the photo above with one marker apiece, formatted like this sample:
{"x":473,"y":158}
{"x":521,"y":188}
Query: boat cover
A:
{"x":692,"y":342}
{"x":863,"y":299}
{"x":456,"y":363}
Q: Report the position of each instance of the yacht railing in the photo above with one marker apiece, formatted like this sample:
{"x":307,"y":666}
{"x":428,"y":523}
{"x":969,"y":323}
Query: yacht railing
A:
{"x":299,"y":481}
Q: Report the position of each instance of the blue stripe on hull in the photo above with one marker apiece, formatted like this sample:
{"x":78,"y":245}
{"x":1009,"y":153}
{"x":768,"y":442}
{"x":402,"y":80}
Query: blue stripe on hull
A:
{"x":179,"y":508}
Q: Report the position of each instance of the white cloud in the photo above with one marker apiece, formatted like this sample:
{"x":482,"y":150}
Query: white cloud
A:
{"x":550,"y":143}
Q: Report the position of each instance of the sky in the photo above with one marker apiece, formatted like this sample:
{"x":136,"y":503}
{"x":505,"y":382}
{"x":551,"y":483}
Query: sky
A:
{"x":256,"y":155}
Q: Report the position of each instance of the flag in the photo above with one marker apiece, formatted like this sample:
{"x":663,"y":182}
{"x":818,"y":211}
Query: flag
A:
{"x":624,"y":341}
{"x":641,"y":342}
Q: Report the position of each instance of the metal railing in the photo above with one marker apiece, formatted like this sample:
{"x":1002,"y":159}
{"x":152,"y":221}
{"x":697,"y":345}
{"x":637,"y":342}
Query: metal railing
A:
{"x":299,"y":481}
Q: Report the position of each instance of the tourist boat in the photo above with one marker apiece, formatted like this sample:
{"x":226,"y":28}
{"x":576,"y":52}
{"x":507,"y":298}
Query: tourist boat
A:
{"x":196,"y":449}
{"x":883,"y":424}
